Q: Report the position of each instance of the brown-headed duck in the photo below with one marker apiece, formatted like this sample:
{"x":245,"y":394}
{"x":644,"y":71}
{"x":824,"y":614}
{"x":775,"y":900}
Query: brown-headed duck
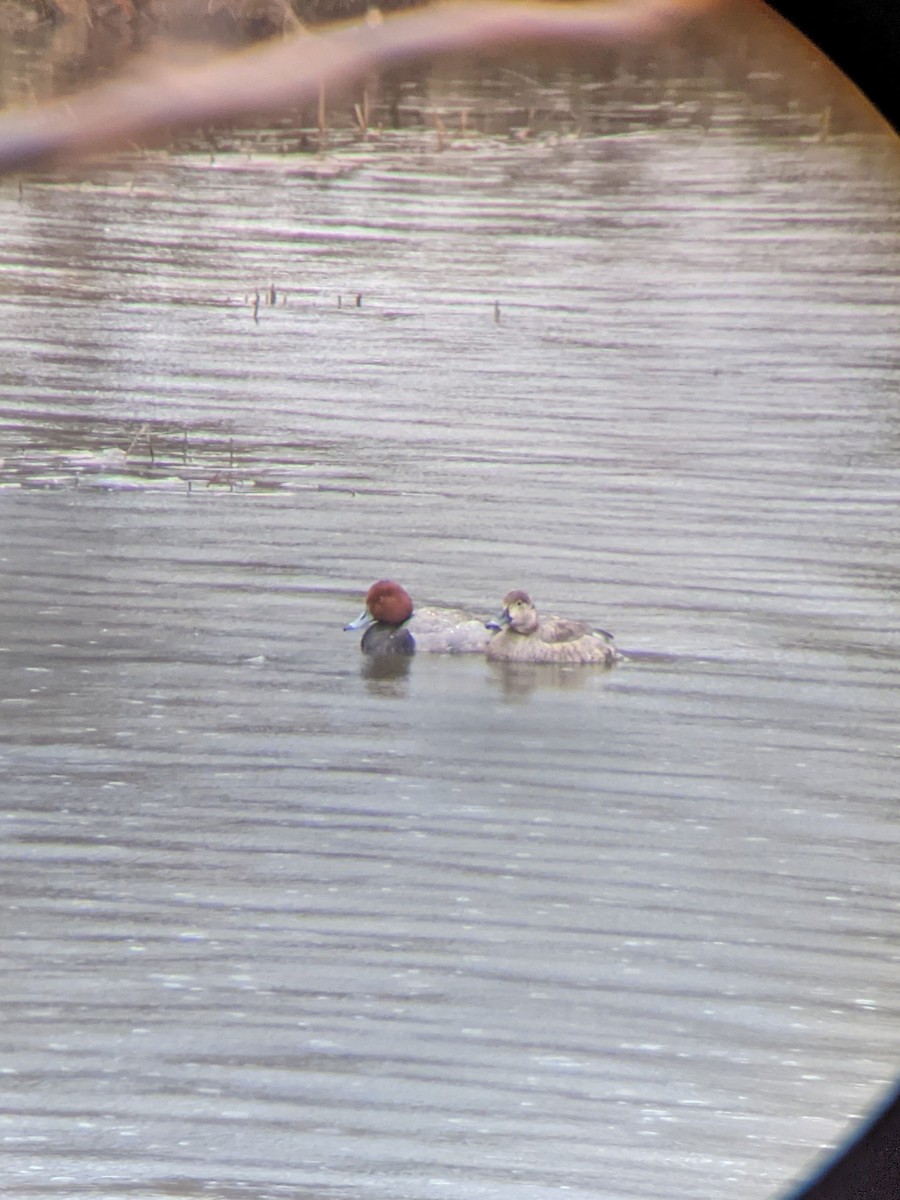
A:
{"x":526,"y":637}
{"x":393,"y":627}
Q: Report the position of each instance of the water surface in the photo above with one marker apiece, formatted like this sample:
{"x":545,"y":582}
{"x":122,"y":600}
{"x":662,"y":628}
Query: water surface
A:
{"x":276,"y":923}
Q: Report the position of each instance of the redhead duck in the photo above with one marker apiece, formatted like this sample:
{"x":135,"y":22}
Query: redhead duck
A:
{"x":392,"y":627}
{"x":526,"y":637}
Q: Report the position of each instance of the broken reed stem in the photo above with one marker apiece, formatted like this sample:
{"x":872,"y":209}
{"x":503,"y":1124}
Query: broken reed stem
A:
{"x":322,"y":115}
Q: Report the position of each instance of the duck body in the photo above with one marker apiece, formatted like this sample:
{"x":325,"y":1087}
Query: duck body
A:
{"x":438,"y":630}
{"x":381,"y":638}
{"x":526,"y":637}
{"x":393,"y":627}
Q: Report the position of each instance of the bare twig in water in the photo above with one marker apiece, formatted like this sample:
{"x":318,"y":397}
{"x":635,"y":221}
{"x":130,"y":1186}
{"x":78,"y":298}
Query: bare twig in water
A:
{"x":441,"y":131}
{"x":143,"y":432}
{"x":323,"y":117}
{"x":362,"y":114}
{"x":276,"y":75}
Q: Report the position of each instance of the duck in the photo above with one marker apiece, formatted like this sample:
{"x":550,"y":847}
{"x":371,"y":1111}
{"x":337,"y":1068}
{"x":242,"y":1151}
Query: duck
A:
{"x":393,"y":627}
{"x":520,"y":635}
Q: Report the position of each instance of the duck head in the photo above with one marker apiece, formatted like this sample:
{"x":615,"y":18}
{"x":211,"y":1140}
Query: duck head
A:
{"x":518,"y":614}
{"x":386,"y":602}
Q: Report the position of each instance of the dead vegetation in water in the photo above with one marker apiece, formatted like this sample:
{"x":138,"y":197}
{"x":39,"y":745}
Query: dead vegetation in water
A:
{"x":152,"y":456}
{"x":666,"y":63}
{"x":155,"y":98}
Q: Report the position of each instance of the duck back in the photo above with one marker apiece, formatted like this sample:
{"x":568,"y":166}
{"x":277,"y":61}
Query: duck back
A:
{"x":447,"y":631}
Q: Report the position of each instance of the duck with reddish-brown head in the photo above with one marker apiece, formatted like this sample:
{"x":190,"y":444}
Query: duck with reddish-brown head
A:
{"x":393,"y":626}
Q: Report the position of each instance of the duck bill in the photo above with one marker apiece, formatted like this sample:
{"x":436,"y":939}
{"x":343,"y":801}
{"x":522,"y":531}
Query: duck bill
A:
{"x":364,"y":619}
{"x":499,"y":622}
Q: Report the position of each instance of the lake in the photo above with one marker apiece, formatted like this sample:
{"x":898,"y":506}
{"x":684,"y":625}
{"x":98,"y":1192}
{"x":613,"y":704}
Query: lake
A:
{"x":279,"y":921}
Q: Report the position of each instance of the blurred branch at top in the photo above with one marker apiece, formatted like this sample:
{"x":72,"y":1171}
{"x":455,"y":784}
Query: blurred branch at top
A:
{"x":270,"y":77}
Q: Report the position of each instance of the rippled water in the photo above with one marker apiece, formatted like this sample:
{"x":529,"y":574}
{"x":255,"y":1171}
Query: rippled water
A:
{"x":279,"y":924}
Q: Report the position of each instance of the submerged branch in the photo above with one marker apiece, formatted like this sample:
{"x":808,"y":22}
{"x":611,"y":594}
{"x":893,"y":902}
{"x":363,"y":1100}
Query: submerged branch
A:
{"x":276,"y":75}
